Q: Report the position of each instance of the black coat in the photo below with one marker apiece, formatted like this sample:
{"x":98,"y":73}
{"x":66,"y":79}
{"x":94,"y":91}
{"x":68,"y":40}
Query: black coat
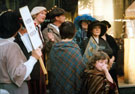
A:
{"x":113,"y":45}
{"x":36,"y":70}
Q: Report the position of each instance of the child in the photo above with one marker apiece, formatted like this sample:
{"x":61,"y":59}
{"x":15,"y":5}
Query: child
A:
{"x":66,"y":63}
{"x":97,"y":79}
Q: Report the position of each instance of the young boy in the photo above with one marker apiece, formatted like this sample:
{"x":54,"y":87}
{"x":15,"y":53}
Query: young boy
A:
{"x":66,"y":63}
{"x":97,"y":79}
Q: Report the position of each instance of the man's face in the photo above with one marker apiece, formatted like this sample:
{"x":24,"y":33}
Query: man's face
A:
{"x":61,"y":18}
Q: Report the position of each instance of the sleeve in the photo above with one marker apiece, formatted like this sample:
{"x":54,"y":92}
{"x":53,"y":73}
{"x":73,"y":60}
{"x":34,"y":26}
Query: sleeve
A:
{"x":29,"y":65}
{"x":48,"y":43}
{"x":108,"y":49}
{"x":113,"y":45}
{"x":15,"y":67}
{"x":77,"y":37}
{"x":110,"y":88}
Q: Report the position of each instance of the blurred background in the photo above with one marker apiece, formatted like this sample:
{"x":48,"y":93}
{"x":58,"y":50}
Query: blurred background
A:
{"x":113,"y":11}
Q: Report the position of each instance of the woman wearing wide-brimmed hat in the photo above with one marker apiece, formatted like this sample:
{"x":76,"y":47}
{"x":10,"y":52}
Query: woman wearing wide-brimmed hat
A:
{"x":81,"y":23}
{"x":14,"y":68}
{"x":95,"y":30}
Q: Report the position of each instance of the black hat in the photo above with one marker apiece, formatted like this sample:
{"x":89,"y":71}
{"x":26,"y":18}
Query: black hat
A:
{"x":9,"y":24}
{"x":96,"y":23}
{"x":106,"y":23}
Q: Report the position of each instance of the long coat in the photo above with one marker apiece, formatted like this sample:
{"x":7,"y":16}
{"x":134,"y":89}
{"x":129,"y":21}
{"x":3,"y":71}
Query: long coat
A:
{"x":48,"y":43}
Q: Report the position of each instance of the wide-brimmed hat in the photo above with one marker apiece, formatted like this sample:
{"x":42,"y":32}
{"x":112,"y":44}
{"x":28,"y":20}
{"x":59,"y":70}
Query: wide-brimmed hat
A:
{"x":84,"y":17}
{"x":96,"y":23}
{"x":106,"y":23}
{"x":37,"y":10}
{"x":9,"y":24}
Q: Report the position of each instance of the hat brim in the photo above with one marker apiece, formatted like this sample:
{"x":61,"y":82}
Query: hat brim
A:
{"x":103,"y":28}
{"x":85,"y":17}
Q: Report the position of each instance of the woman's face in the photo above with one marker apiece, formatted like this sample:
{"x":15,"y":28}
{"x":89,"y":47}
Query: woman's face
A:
{"x":96,"y":31}
{"x":41,"y":17}
{"x":100,"y":63}
{"x":84,"y":25}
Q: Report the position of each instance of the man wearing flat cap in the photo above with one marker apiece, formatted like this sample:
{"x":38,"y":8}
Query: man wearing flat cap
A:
{"x":51,"y":34}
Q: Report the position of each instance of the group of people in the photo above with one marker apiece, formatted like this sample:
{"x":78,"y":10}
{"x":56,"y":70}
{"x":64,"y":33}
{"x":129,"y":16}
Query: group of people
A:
{"x":63,"y":49}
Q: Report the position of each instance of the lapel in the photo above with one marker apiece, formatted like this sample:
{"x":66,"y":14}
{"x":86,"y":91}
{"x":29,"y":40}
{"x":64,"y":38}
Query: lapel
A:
{"x":52,"y":29}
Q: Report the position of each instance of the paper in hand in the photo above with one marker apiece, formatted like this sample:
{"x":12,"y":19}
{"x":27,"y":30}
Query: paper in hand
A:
{"x":26,"y":42}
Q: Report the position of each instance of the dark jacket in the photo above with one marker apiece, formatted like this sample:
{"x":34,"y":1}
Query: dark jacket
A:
{"x":36,"y":70}
{"x":113,"y":45}
{"x":104,"y":46}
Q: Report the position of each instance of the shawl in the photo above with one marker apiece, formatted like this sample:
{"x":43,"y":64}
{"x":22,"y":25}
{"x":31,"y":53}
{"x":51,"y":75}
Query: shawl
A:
{"x":91,"y":48}
{"x":66,"y":68}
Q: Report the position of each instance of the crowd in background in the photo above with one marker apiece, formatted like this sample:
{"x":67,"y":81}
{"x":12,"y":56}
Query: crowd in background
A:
{"x":80,"y":57}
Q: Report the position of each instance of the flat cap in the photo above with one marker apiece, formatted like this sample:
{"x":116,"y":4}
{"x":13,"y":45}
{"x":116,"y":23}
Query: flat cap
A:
{"x":37,"y":10}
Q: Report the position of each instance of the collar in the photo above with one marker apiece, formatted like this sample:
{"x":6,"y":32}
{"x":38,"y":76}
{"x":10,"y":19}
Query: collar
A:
{"x":96,"y":39}
{"x":6,"y":41}
{"x":9,"y":39}
{"x":37,"y":25}
{"x":56,"y":27}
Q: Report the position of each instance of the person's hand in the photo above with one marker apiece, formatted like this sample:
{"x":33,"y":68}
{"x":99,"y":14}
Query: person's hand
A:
{"x":107,"y":74}
{"x":105,"y":68}
{"x":111,"y":61}
{"x":51,"y":37}
{"x":37,"y":53}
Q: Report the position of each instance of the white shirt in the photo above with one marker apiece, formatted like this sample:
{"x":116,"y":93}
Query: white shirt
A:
{"x":97,"y":40}
{"x":56,"y":27}
{"x":26,"y":41}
